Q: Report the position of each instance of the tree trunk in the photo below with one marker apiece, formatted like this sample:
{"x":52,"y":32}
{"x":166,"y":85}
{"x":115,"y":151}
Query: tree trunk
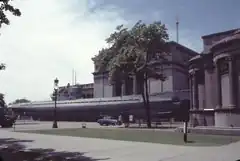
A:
{"x":144,"y":92}
{"x":141,"y":84}
{"x":147,"y":104}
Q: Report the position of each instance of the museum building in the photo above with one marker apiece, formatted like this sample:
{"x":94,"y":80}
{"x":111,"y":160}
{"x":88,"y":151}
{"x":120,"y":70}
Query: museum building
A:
{"x":214,"y":81}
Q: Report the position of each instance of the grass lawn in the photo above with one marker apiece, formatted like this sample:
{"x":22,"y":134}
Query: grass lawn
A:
{"x":152,"y":136}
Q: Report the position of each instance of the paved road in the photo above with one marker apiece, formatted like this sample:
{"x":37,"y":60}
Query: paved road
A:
{"x":121,"y":150}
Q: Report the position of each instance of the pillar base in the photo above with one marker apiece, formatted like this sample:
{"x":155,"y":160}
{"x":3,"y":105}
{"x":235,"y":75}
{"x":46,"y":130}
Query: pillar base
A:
{"x":201,"y":118}
{"x":226,"y":108}
{"x":227,"y":117}
{"x":230,"y":107}
{"x":218,"y":106}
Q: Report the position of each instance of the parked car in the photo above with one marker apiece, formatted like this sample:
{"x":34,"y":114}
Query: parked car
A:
{"x":108,"y":121}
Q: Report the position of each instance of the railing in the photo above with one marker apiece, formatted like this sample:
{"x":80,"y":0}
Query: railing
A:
{"x":163,"y":96}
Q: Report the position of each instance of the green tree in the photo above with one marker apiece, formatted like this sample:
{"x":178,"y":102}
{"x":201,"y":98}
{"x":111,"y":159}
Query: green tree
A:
{"x":22,"y":100}
{"x":2,"y":66}
{"x":135,"y":52}
{"x":2,"y":101}
{"x":7,"y":7}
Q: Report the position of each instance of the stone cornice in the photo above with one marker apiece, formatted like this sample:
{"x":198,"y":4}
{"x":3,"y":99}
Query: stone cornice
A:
{"x":193,"y":71}
{"x":224,"y":110}
{"x":227,"y":51}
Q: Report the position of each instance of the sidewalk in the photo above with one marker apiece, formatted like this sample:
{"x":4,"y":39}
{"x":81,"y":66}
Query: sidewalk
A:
{"x":124,"y":151}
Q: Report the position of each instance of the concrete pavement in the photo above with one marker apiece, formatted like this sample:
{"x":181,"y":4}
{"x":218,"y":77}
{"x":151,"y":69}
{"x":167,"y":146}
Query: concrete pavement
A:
{"x":123,"y":150}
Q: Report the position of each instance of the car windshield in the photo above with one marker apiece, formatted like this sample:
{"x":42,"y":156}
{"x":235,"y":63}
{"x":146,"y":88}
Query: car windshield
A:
{"x":107,"y":117}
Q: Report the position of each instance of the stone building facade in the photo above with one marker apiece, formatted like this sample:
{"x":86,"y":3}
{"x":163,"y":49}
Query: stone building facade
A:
{"x":73,"y":92}
{"x":214,"y":81}
{"x":175,"y":85}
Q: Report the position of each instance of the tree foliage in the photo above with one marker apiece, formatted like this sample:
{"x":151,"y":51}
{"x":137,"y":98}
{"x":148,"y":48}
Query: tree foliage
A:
{"x":2,"y":66}
{"x":22,"y":100}
{"x":132,"y":49}
{"x":5,"y":6}
{"x":2,"y":101}
{"x":131,"y":52}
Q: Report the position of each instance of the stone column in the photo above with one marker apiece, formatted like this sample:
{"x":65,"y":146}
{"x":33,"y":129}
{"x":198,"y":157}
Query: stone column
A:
{"x":103,"y":85}
{"x":232,"y":83}
{"x":134,"y":85}
{"x":201,"y":95}
{"x":201,"y":89}
{"x":123,"y":88}
{"x":195,"y":91}
{"x":114,"y":89}
{"x":191,"y":91}
{"x":218,"y":86}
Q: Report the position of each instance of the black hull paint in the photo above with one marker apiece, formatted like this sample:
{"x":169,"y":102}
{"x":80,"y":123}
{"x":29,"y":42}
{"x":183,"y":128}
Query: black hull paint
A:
{"x":92,"y":113}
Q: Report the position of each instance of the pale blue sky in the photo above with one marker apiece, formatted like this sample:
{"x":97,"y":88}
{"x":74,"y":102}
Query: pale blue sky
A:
{"x":197,"y":17}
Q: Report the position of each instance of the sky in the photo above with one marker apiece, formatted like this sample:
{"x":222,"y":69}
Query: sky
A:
{"x":52,"y":37}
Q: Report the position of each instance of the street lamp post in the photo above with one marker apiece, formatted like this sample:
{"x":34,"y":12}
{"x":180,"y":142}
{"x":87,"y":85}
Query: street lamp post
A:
{"x":185,"y":107}
{"x":55,"y":103}
{"x":183,"y":115}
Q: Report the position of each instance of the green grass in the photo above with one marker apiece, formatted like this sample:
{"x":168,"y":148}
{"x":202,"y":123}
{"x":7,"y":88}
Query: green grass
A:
{"x":152,"y":136}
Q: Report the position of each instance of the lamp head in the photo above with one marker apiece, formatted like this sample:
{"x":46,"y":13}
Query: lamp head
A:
{"x":56,"y":83}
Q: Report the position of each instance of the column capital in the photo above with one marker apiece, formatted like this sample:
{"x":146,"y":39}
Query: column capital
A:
{"x":134,"y":84}
{"x":229,"y":58}
{"x":193,"y":71}
{"x":218,"y":57}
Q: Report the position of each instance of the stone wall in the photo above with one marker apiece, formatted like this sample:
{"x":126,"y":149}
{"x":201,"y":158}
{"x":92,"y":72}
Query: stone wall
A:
{"x":210,"y":89}
{"x":98,"y":87}
{"x":180,"y":80}
{"x":202,"y":118}
{"x":157,"y":86}
{"x":218,"y":90}
{"x":102,"y":87}
{"x":225,"y":90}
{"x":227,"y":119}
{"x":175,"y":80}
